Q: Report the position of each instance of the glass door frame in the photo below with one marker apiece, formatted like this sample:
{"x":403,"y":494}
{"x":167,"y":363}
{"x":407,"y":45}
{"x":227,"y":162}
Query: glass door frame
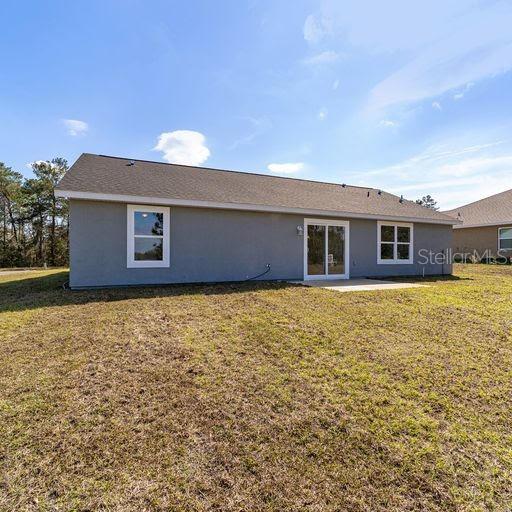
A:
{"x":327,"y":223}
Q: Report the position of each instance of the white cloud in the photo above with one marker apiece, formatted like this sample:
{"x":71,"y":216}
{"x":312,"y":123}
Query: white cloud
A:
{"x":185,"y":147}
{"x":459,"y":95}
{"x":326,"y":57}
{"x":432,"y":157}
{"x":335,"y":85}
{"x":436,"y":105}
{"x":286,"y":168}
{"x":395,"y":25}
{"x":441,"y":44}
{"x":444,"y":44}
{"x":75,"y":127}
{"x":452,"y":173}
{"x":387,"y":123}
{"x":316,"y":28}
{"x":450,"y":193}
{"x":313,"y":29}
{"x":322,"y":113}
{"x":472,"y":166}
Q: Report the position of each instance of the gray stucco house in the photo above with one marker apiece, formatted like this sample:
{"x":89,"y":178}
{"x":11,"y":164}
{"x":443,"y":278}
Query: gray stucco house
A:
{"x":140,"y":222}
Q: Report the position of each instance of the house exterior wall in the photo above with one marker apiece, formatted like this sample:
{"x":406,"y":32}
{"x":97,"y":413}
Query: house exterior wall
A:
{"x":213,"y":245}
{"x":482,"y":239}
{"x":427,"y":237}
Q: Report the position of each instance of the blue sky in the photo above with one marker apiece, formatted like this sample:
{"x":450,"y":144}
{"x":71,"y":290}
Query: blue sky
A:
{"x":411,"y":97}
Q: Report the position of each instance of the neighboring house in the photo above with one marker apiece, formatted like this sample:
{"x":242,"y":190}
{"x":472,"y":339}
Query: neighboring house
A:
{"x":140,"y":222}
{"x":486,"y":227}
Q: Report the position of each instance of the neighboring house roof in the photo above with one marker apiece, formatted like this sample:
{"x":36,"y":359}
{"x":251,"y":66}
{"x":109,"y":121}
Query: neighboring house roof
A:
{"x":490,"y":211}
{"x":114,"y":179}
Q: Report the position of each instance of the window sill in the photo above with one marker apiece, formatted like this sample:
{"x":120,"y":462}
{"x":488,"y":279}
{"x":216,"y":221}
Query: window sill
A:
{"x":148,"y":264}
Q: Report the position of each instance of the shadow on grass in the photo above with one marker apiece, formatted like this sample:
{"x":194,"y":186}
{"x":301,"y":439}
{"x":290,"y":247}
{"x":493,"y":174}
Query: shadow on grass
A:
{"x":49,"y":291}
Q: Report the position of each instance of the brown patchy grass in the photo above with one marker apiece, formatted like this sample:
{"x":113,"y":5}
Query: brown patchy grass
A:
{"x":260,"y":397}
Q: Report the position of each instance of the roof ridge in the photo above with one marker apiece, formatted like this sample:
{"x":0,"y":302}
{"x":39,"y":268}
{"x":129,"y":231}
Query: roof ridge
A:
{"x":478,"y":201}
{"x":234,"y":171}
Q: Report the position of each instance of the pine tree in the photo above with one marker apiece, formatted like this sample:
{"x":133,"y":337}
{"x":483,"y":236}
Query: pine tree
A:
{"x":428,"y":202}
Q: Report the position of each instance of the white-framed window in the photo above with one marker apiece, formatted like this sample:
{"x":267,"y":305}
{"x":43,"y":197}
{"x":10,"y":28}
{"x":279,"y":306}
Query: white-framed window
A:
{"x":394,"y":242}
{"x":148,"y":236}
{"x":505,"y":238}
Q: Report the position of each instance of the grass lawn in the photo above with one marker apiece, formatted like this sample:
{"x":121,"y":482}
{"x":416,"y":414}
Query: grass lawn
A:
{"x":256,"y":397}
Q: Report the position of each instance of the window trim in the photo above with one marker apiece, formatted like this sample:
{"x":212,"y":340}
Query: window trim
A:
{"x":395,"y":260}
{"x":130,"y":234}
{"x":500,"y":238}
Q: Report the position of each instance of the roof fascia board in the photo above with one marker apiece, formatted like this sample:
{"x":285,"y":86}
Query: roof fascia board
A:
{"x":487,"y":224}
{"x":122,"y":198}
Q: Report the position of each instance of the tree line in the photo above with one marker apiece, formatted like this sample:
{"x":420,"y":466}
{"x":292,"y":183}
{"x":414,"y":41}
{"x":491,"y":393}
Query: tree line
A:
{"x":34,"y":223}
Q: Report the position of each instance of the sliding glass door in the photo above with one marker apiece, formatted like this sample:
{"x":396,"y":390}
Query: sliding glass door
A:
{"x":325,"y":249}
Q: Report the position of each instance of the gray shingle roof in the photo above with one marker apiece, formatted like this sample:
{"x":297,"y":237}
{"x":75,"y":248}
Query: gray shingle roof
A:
{"x":95,"y":175}
{"x":490,"y":211}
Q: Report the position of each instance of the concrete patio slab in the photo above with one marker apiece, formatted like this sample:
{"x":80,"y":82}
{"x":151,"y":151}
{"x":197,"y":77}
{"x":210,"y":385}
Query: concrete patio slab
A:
{"x":358,"y":285}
